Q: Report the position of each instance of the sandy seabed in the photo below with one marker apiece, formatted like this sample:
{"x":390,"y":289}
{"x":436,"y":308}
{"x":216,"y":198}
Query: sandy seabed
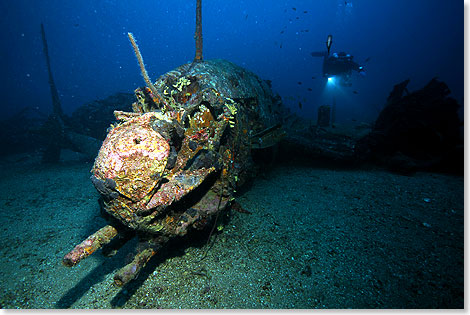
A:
{"x":316,"y":238}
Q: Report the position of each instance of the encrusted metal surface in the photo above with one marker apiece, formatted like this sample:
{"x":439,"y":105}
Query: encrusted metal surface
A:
{"x":175,"y":162}
{"x":200,"y":128}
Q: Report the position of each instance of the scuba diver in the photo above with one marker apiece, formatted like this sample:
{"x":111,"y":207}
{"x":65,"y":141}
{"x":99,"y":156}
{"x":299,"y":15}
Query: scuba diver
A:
{"x":338,"y":65}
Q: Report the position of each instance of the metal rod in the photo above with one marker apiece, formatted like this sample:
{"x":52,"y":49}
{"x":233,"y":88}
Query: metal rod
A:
{"x":198,"y":34}
{"x":56,"y":107}
{"x":90,"y":245}
{"x":147,"y":249}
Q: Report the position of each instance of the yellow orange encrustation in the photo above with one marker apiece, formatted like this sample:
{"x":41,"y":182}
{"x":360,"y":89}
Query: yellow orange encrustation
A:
{"x":134,"y":155}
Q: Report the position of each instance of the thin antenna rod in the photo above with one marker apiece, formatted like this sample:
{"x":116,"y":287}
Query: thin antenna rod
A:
{"x":198,"y":34}
{"x":56,"y":107}
{"x":140,"y":60}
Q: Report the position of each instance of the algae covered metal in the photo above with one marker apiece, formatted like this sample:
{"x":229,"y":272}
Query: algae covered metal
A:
{"x":175,"y":162}
{"x":199,"y":130}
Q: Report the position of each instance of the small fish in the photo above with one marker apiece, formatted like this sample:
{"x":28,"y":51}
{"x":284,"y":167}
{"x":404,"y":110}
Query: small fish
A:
{"x":297,"y":18}
{"x":355,"y":92}
{"x":309,"y":89}
{"x":305,"y":11}
{"x":299,"y":83}
{"x":300,"y":105}
{"x":313,"y":78}
{"x":246,"y":16}
{"x":280,"y":46}
{"x":282,"y":32}
{"x":76,"y":25}
{"x":367,"y":59}
{"x":294,"y":9}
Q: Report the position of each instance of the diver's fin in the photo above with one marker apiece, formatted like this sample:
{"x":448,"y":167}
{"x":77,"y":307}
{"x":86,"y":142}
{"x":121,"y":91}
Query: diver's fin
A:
{"x":329,"y":42}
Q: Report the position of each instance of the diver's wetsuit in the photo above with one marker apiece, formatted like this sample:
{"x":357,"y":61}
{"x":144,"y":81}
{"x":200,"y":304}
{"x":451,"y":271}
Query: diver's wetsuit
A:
{"x":339,"y":64}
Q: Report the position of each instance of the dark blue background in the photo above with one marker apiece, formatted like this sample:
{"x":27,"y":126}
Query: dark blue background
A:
{"x":92,"y":58}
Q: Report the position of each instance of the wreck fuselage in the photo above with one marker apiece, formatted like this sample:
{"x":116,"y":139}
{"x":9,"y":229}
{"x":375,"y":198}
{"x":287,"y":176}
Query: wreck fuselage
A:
{"x":175,"y":161}
{"x":167,"y":164}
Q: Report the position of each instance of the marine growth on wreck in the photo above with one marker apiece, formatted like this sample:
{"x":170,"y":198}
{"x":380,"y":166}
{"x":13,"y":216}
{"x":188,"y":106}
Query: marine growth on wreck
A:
{"x":175,"y":162}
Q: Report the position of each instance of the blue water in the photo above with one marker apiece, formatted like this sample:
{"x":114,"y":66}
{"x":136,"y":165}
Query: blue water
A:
{"x":310,"y":237}
{"x":92,"y":58}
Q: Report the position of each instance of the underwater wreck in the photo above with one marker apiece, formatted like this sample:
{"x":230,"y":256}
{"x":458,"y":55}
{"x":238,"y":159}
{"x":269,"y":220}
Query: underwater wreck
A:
{"x":416,"y":131}
{"x":174,"y":163}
